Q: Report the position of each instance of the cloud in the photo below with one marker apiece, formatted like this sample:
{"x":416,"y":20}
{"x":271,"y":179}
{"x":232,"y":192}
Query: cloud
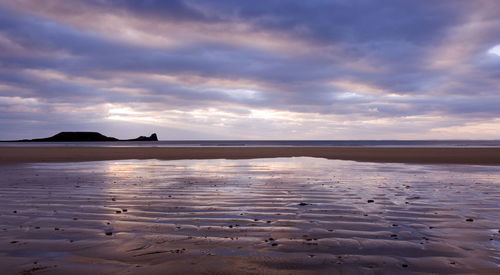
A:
{"x":330,"y":65}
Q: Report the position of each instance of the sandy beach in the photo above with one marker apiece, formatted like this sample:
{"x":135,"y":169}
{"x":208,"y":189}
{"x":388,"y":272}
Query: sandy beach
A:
{"x":249,"y":137}
{"x":258,"y":216}
{"x":456,"y":155}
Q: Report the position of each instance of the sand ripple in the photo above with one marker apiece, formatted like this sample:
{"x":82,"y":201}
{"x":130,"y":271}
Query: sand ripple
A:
{"x":272,"y":216}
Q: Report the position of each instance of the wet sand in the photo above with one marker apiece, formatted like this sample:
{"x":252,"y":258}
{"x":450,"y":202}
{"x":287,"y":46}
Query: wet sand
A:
{"x":259,"y":216}
{"x":458,"y":155}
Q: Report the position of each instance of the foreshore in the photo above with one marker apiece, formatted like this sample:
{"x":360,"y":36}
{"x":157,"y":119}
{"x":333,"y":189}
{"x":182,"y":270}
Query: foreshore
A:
{"x":255,"y":216}
{"x":443,"y":155}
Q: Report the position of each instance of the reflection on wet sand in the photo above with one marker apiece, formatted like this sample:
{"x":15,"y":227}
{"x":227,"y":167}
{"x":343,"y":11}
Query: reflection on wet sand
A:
{"x":279,"y":216}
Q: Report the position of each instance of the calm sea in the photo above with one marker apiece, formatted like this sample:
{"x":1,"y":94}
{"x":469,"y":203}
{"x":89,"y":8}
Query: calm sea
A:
{"x":284,"y":143}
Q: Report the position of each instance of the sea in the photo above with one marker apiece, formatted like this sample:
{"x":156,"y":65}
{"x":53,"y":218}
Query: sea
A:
{"x":267,"y":143}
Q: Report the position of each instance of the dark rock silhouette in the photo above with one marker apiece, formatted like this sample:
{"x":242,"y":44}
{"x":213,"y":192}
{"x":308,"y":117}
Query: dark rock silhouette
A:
{"x":86,"y":136}
{"x":152,"y":137}
{"x":76,"y":136}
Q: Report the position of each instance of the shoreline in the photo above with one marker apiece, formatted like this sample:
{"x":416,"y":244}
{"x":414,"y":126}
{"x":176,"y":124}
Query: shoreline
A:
{"x":423,"y":155}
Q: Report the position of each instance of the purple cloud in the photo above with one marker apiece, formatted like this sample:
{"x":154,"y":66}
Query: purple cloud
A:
{"x":338,"y":63}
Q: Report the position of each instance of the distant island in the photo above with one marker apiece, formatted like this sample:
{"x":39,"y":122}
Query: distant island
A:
{"x":85,"y":136}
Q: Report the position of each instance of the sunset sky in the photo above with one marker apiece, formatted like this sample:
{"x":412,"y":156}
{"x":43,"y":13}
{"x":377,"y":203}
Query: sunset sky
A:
{"x":315,"y":69}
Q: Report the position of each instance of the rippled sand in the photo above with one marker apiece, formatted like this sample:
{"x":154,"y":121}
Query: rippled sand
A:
{"x":271,"y":216}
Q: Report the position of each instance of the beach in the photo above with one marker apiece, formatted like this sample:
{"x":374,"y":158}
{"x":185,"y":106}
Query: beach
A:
{"x":249,"y":137}
{"x":450,"y":155}
{"x":237,"y":210}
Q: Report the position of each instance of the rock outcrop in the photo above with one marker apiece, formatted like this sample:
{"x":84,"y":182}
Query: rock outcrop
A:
{"x":86,"y":136}
{"x":152,"y":137}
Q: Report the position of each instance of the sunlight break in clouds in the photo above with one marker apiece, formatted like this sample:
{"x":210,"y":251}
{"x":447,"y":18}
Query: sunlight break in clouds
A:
{"x":495,"y":50}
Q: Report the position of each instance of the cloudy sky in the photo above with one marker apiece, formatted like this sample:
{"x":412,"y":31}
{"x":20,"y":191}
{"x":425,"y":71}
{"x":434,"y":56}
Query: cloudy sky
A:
{"x":290,"y":69}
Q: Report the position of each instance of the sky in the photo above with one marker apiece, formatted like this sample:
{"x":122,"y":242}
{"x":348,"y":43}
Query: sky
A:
{"x":290,"y":69}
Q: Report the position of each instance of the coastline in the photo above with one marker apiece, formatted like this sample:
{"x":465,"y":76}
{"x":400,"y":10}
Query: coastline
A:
{"x":429,"y":155}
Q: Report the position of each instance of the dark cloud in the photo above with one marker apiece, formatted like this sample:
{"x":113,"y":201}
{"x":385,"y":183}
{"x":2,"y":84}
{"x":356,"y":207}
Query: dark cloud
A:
{"x":347,"y":21}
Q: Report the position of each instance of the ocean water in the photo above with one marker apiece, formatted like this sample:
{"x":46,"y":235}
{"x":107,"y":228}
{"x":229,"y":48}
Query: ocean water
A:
{"x":274,"y":143}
